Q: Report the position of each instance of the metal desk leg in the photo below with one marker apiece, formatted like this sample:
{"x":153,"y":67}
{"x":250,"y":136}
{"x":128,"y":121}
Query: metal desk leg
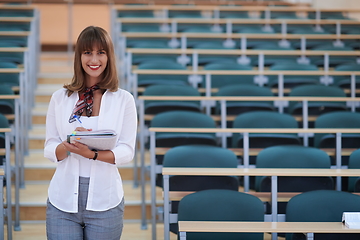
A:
{"x":153,"y":184}
{"x":2,"y":207}
{"x":310,"y":236}
{"x":166,"y":208}
{"x":274,"y":210}
{"x":182,"y":235}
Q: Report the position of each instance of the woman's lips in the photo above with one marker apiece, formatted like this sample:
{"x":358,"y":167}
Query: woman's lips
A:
{"x":94,"y":67}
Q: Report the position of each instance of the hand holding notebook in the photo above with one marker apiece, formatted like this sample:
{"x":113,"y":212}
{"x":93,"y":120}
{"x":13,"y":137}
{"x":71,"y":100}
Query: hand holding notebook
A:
{"x":99,"y":140}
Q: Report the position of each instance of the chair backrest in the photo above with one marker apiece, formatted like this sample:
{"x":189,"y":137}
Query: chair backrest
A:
{"x":183,"y":119}
{"x":319,"y":107}
{"x":6,"y":105}
{"x":221,"y":205}
{"x":226,"y":66}
{"x":4,"y":123}
{"x":155,"y":107}
{"x":322,"y":206}
{"x":354,"y":162}
{"x":201,"y":156}
{"x":161,"y":64}
{"x":348,"y":67}
{"x":293,"y":157}
{"x":151,"y":79}
{"x":265,"y":119}
{"x":293,"y":66}
{"x":339,"y":119}
{"x":237,"y":107}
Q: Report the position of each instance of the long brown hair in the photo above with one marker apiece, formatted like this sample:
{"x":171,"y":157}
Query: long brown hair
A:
{"x":88,"y":37}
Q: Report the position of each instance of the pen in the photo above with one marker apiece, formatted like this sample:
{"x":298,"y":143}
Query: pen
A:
{"x":78,"y":119}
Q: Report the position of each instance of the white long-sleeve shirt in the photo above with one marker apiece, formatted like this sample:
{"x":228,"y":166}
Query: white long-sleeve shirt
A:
{"x":117,"y":112}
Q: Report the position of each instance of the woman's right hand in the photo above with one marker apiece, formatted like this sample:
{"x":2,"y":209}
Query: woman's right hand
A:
{"x":82,"y":129}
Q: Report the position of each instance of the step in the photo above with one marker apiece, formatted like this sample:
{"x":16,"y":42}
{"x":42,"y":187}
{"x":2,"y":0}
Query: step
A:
{"x":44,"y":91}
{"x":39,"y":113}
{"x":33,"y":201}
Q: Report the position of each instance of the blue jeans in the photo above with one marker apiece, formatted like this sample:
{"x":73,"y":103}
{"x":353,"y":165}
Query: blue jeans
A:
{"x":84,"y":225}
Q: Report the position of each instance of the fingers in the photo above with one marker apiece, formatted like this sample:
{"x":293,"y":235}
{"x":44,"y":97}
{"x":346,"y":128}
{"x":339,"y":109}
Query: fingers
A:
{"x":81,"y":129}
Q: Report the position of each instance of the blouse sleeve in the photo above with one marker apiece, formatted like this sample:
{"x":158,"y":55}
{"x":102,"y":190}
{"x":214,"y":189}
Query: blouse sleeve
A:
{"x":125,"y":148}
{"x":52,"y":135}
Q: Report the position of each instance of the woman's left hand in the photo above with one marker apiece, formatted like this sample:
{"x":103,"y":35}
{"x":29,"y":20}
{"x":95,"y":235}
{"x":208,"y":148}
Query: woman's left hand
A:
{"x":81,"y":149}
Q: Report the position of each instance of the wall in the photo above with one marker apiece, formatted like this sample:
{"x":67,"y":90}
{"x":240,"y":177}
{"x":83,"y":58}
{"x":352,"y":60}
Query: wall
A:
{"x":54,"y":22}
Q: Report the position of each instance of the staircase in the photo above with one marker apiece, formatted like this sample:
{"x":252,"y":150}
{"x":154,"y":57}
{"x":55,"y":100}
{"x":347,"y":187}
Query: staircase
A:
{"x":55,"y":70}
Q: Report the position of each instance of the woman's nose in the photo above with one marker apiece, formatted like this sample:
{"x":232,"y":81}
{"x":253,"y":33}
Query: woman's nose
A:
{"x":94,"y":58}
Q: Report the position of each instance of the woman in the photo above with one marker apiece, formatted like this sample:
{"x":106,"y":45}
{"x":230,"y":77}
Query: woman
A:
{"x":85,"y":196}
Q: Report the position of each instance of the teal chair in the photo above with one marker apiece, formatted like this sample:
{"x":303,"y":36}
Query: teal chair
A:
{"x":245,"y":90}
{"x":322,"y":206}
{"x":221,"y":205}
{"x":348,"y":67}
{"x":141,"y":58}
{"x":14,"y":26}
{"x":199,"y":29}
{"x":184,"y":14}
{"x":14,"y":57}
{"x":4,"y":123}
{"x":131,"y":42}
{"x":292,"y":81}
{"x":151,"y":79}
{"x":328,"y":15}
{"x":345,"y":81}
{"x":253,"y":29}
{"x":7,"y":106}
{"x":218,"y":81}
{"x":200,"y":156}
{"x":10,"y":79}
{"x":152,"y":44}
{"x":309,"y":31}
{"x":145,"y":27}
{"x":234,"y":14}
{"x":13,"y":41}
{"x":183,"y":119}
{"x":135,"y":14}
{"x":316,"y":107}
{"x":354,"y":163}
{"x":204,"y":59}
{"x":155,"y":107}
{"x":270,"y":60}
{"x":333,"y":60}
{"x":338,"y":119}
{"x":16,"y":13}
{"x":265,"y":119}
{"x":7,"y":64}
{"x":291,"y":156}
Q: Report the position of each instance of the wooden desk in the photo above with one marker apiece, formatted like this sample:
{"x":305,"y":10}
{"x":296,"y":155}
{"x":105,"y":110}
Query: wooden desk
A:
{"x":309,"y":228}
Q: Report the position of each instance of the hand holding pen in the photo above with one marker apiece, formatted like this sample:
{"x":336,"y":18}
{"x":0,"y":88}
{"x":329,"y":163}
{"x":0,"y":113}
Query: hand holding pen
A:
{"x":82,"y":128}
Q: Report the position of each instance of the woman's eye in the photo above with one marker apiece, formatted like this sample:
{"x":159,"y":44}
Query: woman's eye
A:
{"x":87,"y":52}
{"x":102,"y":52}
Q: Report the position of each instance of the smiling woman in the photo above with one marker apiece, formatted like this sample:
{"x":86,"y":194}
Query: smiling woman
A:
{"x":86,"y":196}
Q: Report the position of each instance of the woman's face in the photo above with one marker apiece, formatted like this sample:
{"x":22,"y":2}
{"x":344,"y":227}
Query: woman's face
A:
{"x":94,"y":63}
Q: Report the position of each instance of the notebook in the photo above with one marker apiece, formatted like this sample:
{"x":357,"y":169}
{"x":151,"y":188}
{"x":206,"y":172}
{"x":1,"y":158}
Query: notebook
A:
{"x":99,"y":140}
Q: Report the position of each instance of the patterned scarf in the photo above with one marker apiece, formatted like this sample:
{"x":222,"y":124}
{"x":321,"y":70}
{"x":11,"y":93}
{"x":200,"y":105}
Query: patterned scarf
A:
{"x":85,"y":103}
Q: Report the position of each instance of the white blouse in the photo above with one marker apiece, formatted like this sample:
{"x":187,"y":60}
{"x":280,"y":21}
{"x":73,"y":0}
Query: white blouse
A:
{"x":117,"y":112}
{"x":85,"y":164}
